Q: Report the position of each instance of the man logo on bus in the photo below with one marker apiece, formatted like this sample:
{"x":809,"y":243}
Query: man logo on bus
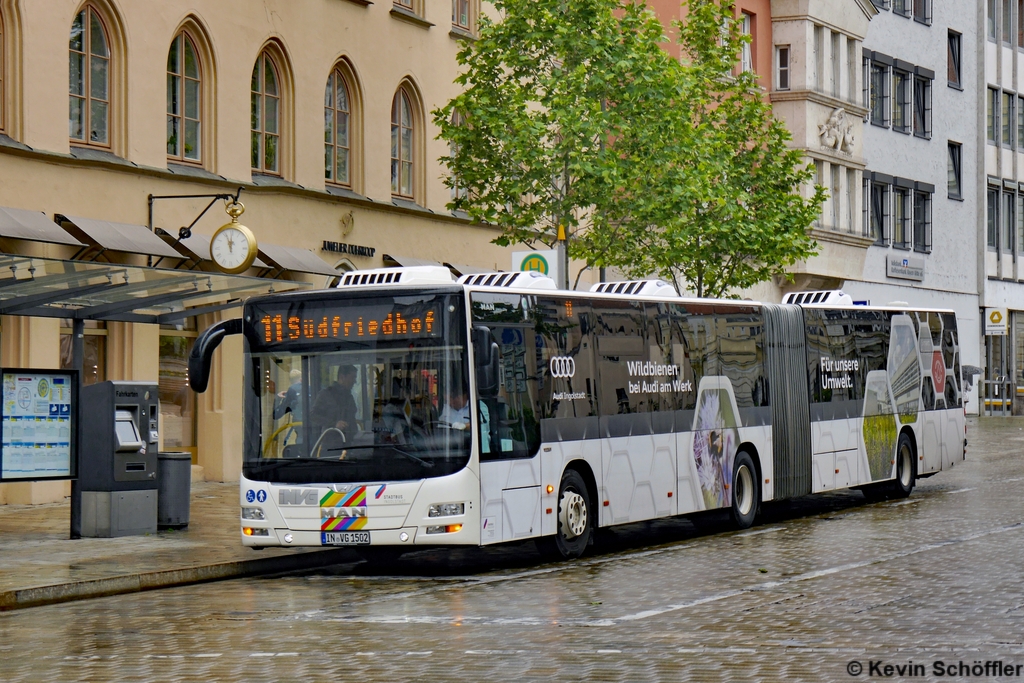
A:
{"x":563,"y":367}
{"x":535,"y":262}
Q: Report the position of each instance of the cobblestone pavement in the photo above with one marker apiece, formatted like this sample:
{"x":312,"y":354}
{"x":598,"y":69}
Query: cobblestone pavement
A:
{"x":818,"y":584}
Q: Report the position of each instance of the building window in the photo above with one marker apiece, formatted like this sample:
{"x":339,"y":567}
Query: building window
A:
{"x":923,"y":11}
{"x":265,"y":114}
{"x":991,"y":114}
{"x":851,"y":61}
{"x":460,"y":14}
{"x":404,"y":3}
{"x":89,"y":106}
{"x":851,"y":185}
{"x":1020,"y":23}
{"x":922,"y":107}
{"x":993,"y":218}
{"x":458,"y":189}
{"x":819,"y":56}
{"x":746,"y":48}
{"x":1020,"y":122}
{"x":901,"y":101}
{"x":782,"y":71}
{"x":881,"y":5}
{"x":819,"y":180}
{"x":879,"y":104}
{"x":1007,"y":120}
{"x":402,"y":144}
{"x":1009,"y":225}
{"x":953,"y":60}
{"x":954,"y":186}
{"x":900,"y":218}
{"x":879,"y":225}
{"x":1,"y":72}
{"x":901,"y":7}
{"x":922,"y":221}
{"x":1007,"y":23}
{"x":337,"y":130}
{"x":990,"y":16}
{"x":837,"y":64}
{"x":1020,"y":223}
{"x":94,"y":356}
{"x":184,"y":100}
{"x":835,"y":193}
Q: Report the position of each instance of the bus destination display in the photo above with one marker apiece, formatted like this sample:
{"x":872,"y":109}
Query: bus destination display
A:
{"x":36,"y":425}
{"x":353,"y":323}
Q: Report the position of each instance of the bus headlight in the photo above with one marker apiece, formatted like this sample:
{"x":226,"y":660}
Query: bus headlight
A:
{"x":253,"y":513}
{"x":446,"y":509}
{"x":449,"y":529}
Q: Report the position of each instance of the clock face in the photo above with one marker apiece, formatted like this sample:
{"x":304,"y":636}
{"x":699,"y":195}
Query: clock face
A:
{"x":232,"y":249}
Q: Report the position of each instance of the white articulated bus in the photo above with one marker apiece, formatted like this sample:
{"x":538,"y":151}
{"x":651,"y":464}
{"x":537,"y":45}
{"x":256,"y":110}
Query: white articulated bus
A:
{"x":404,"y":409}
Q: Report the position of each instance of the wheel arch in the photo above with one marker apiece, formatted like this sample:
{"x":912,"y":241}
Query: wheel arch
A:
{"x":751,"y":450}
{"x":585,"y":471}
{"x":908,"y":430}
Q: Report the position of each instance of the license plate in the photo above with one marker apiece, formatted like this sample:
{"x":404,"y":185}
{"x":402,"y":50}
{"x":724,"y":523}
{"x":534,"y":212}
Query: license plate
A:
{"x":344,"y":538}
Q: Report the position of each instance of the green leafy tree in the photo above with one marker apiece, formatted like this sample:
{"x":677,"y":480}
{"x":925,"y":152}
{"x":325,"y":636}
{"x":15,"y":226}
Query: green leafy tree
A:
{"x":573,"y":115}
{"x":545,"y":90}
{"x":715,"y":203}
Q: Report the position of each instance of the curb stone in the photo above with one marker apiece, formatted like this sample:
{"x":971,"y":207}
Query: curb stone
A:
{"x":20,"y":598}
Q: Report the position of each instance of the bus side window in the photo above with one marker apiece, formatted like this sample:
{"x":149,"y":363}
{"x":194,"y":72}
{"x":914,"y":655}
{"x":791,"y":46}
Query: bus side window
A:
{"x":508,"y":423}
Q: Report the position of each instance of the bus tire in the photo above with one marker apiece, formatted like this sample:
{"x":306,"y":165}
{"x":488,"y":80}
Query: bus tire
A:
{"x":906,"y":472}
{"x":575,"y":520}
{"x":744,"y":491}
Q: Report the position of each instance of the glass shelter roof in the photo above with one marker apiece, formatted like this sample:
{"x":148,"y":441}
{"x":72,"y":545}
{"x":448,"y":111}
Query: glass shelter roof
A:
{"x":89,"y":290}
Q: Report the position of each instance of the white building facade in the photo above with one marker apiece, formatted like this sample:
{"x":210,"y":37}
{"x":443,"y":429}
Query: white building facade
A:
{"x":1000,"y":152}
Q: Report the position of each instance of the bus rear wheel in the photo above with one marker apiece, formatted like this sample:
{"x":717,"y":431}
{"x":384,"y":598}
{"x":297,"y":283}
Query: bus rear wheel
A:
{"x":745,"y":498}
{"x":906,"y":473}
{"x":575,"y":519}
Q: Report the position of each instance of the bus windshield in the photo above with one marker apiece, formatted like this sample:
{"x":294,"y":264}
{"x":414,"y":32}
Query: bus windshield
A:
{"x":348,"y":389}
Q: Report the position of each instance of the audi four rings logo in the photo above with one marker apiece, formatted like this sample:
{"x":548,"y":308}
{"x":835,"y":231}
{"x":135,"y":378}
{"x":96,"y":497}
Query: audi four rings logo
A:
{"x":563,"y":366}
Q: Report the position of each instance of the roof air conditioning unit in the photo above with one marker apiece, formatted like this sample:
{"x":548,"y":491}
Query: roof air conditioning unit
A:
{"x":833,"y":297}
{"x":413,"y":275}
{"x":526,"y":279}
{"x":636,"y":288}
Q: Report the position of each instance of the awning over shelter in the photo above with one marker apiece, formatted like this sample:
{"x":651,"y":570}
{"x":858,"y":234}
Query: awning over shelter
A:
{"x":296,"y":260}
{"x":124,"y":237}
{"x":57,"y":288}
{"x":21,"y":224}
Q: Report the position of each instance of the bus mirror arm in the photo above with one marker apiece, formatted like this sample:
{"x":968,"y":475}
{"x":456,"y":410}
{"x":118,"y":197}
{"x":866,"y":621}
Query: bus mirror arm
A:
{"x":485,"y":352}
{"x":201,"y":356}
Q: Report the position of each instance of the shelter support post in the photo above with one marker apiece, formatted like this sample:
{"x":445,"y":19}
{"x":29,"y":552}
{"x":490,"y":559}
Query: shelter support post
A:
{"x":78,"y":363}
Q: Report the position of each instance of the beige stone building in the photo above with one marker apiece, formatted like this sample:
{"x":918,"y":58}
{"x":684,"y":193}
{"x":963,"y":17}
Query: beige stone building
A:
{"x":319,"y":110}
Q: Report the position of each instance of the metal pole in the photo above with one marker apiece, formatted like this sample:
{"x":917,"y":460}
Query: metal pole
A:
{"x":78,"y":363}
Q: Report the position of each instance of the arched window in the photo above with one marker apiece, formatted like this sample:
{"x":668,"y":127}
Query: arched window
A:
{"x":89,"y":106}
{"x":184,"y":100}
{"x":1,"y":72}
{"x":402,"y":145}
{"x":337,"y":130}
{"x":266,"y":115}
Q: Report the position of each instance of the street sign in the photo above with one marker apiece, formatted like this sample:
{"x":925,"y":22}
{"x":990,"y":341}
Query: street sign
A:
{"x":543,"y":262}
{"x":37,"y":424}
{"x":995,"y":322}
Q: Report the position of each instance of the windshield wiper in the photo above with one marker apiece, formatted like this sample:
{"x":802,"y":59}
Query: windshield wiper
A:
{"x":407,"y":454}
{"x":281,"y":462}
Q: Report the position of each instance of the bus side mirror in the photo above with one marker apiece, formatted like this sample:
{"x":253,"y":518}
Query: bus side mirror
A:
{"x":201,"y":356}
{"x":485,"y":355}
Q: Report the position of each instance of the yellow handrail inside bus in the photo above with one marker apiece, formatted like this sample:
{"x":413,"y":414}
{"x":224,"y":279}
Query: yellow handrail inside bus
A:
{"x":277,"y":433}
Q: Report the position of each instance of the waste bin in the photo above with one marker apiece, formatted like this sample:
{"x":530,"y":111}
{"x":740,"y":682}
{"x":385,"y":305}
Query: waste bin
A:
{"x":174,"y":479}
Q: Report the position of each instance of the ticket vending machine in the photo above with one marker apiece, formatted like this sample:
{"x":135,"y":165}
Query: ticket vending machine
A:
{"x":118,"y":465}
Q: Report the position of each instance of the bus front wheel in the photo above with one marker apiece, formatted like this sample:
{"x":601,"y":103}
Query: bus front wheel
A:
{"x":575,"y":519}
{"x":745,"y":497}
